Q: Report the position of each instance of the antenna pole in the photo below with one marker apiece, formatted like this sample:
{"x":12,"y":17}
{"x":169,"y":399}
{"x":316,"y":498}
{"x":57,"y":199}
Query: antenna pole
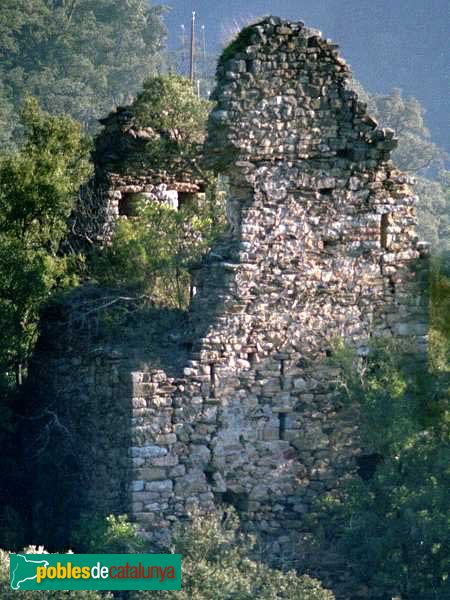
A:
{"x":183,"y":49}
{"x":204,"y":43}
{"x":192,"y":67}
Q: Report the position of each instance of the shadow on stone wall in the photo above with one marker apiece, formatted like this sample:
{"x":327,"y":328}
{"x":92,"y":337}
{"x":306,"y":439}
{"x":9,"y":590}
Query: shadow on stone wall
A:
{"x":78,"y":409}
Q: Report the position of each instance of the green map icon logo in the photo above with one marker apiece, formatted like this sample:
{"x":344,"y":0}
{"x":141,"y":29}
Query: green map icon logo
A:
{"x":23,"y":568}
{"x":95,"y":572}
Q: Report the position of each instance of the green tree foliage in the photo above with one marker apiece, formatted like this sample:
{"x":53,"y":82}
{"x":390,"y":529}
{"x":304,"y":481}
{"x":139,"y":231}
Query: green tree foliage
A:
{"x":417,"y":155}
{"x":439,"y":320}
{"x":217,"y":566}
{"x":434,"y":211}
{"x":415,"y":152}
{"x":395,"y":526}
{"x":7,"y":120}
{"x":168,"y":105}
{"x":110,"y":535}
{"x":37,"y":189}
{"x":78,"y":57}
{"x":152,"y":254}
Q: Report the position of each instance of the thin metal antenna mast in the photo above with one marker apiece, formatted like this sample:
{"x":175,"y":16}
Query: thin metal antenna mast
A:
{"x":183,"y":50}
{"x":204,"y":43}
{"x":192,"y":69}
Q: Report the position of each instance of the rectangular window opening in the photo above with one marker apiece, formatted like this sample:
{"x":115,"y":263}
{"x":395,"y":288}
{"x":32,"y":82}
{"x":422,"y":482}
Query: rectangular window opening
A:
{"x":212,"y":375}
{"x":282,"y":425}
{"x":384,"y":230}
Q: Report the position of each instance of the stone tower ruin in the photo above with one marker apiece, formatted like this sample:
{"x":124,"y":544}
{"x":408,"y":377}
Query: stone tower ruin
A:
{"x":235,"y":403}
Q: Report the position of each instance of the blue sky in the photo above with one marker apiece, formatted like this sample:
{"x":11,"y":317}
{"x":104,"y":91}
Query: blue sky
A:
{"x":388,"y":43}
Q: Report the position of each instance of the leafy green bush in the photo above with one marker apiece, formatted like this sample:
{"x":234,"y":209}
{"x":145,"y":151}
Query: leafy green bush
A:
{"x":152,"y":254}
{"x":439,"y":336}
{"x":397,"y":529}
{"x":217,"y":566}
{"x":110,"y":535}
{"x":395,"y":526}
{"x":37,"y":191}
{"x":168,"y":105}
{"x":216,"y":563}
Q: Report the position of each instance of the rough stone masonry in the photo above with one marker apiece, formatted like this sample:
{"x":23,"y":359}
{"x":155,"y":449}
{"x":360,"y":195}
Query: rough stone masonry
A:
{"x":124,"y":177}
{"x":241,"y":407}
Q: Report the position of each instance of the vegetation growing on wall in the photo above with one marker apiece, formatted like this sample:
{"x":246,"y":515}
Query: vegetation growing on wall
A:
{"x":240,"y":41}
{"x":168,"y":104}
{"x":174,"y":118}
{"x":153,"y":254}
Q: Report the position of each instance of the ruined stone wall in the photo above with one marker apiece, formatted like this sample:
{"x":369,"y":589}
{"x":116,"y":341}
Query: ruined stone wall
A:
{"x":241,"y":407}
{"x":77,"y":449}
{"x":125,"y":179}
{"x":122,"y":169}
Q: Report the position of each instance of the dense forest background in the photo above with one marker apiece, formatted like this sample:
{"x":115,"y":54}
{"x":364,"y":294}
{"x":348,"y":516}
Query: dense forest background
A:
{"x":66,"y":63}
{"x":402,"y":44}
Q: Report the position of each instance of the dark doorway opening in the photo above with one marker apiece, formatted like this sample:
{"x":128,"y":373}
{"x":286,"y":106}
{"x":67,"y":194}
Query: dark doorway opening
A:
{"x":128,"y":205}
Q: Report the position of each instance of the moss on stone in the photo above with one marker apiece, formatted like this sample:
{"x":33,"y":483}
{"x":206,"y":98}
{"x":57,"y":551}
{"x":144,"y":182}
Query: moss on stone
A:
{"x":239,"y":43}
